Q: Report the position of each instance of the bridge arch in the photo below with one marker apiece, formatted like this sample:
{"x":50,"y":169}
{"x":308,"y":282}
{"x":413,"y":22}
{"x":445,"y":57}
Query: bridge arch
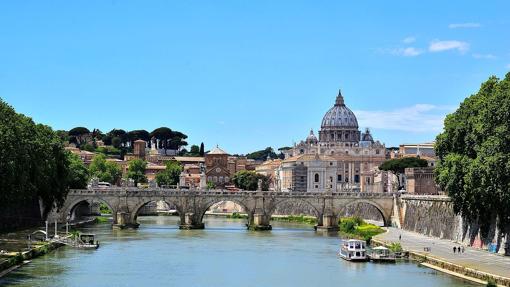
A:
{"x":385,"y":217}
{"x":210,"y":203}
{"x":171,"y":202}
{"x":69,"y":209}
{"x":317,"y":212}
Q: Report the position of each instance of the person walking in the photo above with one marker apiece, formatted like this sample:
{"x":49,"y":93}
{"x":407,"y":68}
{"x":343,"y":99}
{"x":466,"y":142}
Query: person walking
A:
{"x":454,"y":249}
{"x":400,"y":237}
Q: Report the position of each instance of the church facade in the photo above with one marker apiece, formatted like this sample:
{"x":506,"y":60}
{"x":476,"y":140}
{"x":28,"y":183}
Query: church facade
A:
{"x":341,"y":157}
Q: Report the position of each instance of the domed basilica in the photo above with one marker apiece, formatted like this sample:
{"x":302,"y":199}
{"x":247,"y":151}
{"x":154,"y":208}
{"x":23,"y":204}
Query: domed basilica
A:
{"x":341,"y":158}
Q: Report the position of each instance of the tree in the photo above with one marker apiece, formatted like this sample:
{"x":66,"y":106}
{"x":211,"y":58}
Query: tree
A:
{"x":170,"y":176}
{"x":398,"y":166}
{"x":202,"y":150}
{"x":97,"y":134}
{"x":116,"y":142}
{"x":138,"y":135}
{"x":105,"y":170}
{"x":119,"y":133}
{"x":78,"y":172}
{"x":248,"y":180}
{"x":136,"y":171}
{"x":194,"y":151}
{"x":33,"y":165}
{"x":80,"y":135}
{"x":262,"y":154}
{"x":163,"y":134}
{"x":474,"y":156}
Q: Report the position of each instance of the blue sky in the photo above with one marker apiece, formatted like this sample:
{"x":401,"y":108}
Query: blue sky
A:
{"x":249,"y":74}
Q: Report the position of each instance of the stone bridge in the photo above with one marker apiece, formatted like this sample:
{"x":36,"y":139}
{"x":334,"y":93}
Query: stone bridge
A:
{"x":191,"y":205}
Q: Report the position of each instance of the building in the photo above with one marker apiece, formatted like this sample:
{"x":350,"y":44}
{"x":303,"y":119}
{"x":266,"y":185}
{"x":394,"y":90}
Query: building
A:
{"x":423,"y":150}
{"x":421,"y":180}
{"x":269,"y":168}
{"x":216,"y":167}
{"x":341,"y":158}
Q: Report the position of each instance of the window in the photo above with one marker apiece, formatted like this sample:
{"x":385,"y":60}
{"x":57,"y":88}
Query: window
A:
{"x":376,"y":151}
{"x":330,"y":163}
{"x":356,"y":178}
{"x":302,"y":178}
{"x":339,"y":178}
{"x":316,"y":177}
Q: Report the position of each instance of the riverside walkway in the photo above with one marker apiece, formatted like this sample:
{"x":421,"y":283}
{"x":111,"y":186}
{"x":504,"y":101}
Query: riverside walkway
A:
{"x":442,"y":250}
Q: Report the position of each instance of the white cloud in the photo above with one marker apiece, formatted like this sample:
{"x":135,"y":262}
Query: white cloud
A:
{"x":484,"y":56}
{"x":409,"y":40}
{"x":464,"y":25}
{"x":406,"y":52}
{"x":420,"y":118}
{"x":440,"y":46}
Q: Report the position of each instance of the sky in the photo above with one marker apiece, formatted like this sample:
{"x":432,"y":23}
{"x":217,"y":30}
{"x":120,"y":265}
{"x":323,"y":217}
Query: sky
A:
{"x":246,"y":75}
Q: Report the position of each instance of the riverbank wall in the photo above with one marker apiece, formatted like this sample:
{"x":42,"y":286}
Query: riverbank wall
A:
{"x":434,"y":216}
{"x":15,"y":260}
{"x":448,"y":267}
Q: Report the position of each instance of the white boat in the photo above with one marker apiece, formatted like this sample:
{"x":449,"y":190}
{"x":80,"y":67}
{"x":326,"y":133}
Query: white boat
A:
{"x":353,"y":250}
{"x":381,"y":254}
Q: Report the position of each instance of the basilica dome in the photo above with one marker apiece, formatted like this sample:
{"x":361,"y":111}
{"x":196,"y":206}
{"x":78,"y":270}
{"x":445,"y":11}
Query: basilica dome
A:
{"x":339,"y":116}
{"x":339,"y":124}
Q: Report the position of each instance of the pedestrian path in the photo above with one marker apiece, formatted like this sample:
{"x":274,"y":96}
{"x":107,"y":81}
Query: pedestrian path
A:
{"x":443,"y":249}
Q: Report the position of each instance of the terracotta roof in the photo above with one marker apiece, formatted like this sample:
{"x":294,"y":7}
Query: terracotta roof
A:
{"x":189,"y":158}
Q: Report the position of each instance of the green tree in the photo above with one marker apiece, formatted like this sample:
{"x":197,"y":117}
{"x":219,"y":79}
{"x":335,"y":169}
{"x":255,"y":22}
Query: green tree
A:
{"x":105,"y":170}
{"x":202,"y":150}
{"x":262,"y":154}
{"x":398,"y":166}
{"x":116,"y":142}
{"x":474,"y":156}
{"x":194,"y":151}
{"x":79,"y":135}
{"x":248,"y":180}
{"x":170,"y":176}
{"x":33,"y":163}
{"x":78,"y":172}
{"x":136,"y":171}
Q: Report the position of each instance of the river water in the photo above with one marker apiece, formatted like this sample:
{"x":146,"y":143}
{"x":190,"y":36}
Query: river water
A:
{"x":224,"y":254}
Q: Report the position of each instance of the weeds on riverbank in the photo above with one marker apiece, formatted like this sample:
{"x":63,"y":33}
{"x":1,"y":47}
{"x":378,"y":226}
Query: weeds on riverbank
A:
{"x":296,"y":218}
{"x":355,"y":227}
{"x":103,"y":219}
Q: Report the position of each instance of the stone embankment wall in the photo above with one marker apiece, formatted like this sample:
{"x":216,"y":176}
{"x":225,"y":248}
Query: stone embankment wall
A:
{"x":21,"y":215}
{"x":434,"y":216}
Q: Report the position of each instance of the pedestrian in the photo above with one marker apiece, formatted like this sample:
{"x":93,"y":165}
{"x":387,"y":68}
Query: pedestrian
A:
{"x":400,"y":237}
{"x":462,"y":249}
{"x":454,"y":249}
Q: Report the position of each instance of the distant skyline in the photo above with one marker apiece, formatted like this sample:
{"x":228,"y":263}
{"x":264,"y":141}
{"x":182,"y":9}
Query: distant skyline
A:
{"x":248,"y":75}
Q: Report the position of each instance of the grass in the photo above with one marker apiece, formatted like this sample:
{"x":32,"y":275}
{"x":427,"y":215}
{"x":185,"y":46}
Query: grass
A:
{"x":102,"y":219}
{"x":355,"y":227}
{"x":296,"y":218}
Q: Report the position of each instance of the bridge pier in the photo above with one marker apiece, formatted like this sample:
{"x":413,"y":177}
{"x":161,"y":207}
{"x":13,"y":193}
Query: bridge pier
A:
{"x":260,"y":222}
{"x":329,"y":223}
{"x":190,"y":222}
{"x":124,"y":220}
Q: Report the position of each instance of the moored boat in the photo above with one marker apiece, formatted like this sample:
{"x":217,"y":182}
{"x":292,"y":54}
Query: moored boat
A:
{"x":353,"y":250}
{"x":381,"y":254}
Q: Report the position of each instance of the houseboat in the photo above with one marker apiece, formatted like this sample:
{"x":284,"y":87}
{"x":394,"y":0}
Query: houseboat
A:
{"x":353,"y":250}
{"x":381,"y":254}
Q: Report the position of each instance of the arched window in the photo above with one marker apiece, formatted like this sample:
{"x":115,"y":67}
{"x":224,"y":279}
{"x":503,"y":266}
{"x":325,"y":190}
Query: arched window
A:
{"x":316,"y":177}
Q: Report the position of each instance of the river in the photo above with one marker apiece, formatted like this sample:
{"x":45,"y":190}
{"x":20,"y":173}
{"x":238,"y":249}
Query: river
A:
{"x":224,"y":254}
